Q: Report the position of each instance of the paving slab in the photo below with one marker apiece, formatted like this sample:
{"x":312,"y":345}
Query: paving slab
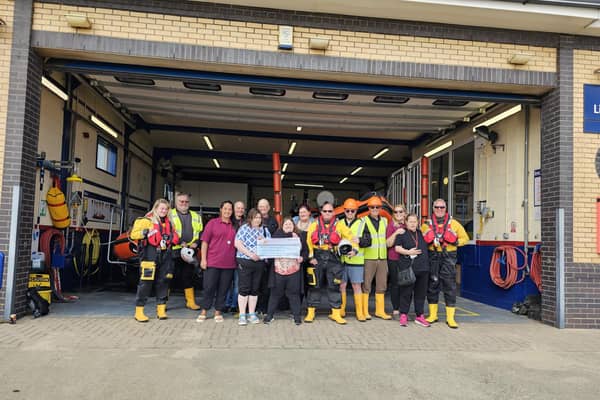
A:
{"x":114,"y":357}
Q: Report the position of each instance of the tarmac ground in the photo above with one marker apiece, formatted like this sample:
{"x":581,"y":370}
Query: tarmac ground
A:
{"x":94,"y":349}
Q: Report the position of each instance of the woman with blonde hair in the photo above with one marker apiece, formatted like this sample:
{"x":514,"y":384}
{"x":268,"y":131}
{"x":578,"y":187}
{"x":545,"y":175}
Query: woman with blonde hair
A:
{"x":397,"y":227}
{"x":155,"y":236}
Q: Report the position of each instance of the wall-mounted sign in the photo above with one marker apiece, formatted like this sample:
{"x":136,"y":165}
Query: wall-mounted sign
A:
{"x":286,"y":37}
{"x":591,"y":108}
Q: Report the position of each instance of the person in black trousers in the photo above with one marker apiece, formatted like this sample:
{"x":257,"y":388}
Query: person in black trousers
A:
{"x":413,"y":254}
{"x":286,"y":276}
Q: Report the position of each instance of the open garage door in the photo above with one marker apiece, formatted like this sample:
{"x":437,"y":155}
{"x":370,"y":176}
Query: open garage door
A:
{"x":336,"y":136}
{"x":214,"y":134}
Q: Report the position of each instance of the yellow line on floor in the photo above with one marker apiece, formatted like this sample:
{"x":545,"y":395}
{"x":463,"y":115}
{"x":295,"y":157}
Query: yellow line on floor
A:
{"x":466,"y":313}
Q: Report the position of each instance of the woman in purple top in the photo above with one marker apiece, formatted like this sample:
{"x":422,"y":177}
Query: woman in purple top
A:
{"x":218,"y":261}
{"x":397,"y":227}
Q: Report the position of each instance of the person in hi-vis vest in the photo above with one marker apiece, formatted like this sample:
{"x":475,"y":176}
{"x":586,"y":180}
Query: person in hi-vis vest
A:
{"x":188,"y":225}
{"x":376,"y":266}
{"x":354,"y":263}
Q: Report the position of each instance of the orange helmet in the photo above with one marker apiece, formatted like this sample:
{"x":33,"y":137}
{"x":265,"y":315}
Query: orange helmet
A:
{"x":374,"y":201}
{"x":350,"y":204}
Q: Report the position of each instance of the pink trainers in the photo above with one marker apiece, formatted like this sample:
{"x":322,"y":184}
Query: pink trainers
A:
{"x":420,"y":320}
{"x":403,"y":320}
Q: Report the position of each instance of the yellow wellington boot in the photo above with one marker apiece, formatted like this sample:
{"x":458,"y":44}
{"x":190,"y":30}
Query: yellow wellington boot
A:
{"x":139,"y":314}
{"x":433,"y":314}
{"x":190,"y":299}
{"x":161,"y":311}
{"x":365,"y":304}
{"x":343,"y":307}
{"x":360,"y":315}
{"x":380,"y":306}
{"x":450,"y":311}
{"x":310,"y":315}
{"x":335,"y":316}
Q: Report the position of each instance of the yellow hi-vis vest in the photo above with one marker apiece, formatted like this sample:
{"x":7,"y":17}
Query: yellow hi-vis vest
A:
{"x":357,"y":229}
{"x":197,"y":226}
{"x":378,"y":248}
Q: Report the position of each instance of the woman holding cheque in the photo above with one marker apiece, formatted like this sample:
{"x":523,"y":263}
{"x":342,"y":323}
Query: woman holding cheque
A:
{"x":413,"y":254}
{"x":286,"y":276}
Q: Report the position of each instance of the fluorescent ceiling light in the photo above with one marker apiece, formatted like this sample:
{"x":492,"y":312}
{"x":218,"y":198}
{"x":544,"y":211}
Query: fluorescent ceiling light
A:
{"x":356,"y":170}
{"x":284,"y":167}
{"x":441,"y":147}
{"x":208,"y":143}
{"x":497,"y":118}
{"x":104,"y":126}
{"x":308,"y":185}
{"x":344,"y":180}
{"x":298,"y":128}
{"x":292,"y":148}
{"x":381,"y":152}
{"x":216,"y":162}
{"x":48,"y":84}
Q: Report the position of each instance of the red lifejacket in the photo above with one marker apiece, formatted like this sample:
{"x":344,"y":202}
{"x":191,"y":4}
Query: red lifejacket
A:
{"x":162,"y":231}
{"x":325,"y":234}
{"x":441,"y":232}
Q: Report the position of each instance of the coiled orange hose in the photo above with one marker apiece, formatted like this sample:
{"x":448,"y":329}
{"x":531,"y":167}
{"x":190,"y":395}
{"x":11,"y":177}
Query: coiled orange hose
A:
{"x":512,"y":267}
{"x":536,"y":269}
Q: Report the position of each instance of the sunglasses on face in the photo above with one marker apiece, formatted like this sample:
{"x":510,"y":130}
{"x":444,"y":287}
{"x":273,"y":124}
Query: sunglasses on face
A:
{"x":374,"y":208}
{"x":350,"y":211}
{"x":439,"y":207}
{"x":398,"y":211}
{"x":327,"y":211}
{"x":183,"y":201}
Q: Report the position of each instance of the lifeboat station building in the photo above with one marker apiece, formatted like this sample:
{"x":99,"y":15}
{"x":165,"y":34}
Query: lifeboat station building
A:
{"x":493,"y":106}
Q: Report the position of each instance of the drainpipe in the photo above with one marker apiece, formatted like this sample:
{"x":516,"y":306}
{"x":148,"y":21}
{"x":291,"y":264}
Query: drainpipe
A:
{"x":526,"y":190}
{"x":277,"y":187}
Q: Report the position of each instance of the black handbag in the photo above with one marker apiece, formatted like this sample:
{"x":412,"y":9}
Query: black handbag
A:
{"x":406,"y":277}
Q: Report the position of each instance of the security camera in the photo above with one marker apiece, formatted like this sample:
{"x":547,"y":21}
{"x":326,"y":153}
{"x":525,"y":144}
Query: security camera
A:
{"x":485,"y":132}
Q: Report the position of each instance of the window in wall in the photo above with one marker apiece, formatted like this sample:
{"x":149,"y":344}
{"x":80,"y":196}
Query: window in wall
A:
{"x":106,"y":156}
{"x":462,"y":189}
{"x":439,"y":177}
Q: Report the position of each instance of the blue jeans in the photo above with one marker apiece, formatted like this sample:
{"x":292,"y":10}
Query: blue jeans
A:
{"x":231,"y":299}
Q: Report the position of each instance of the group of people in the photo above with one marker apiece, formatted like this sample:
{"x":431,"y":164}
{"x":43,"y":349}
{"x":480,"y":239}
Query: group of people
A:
{"x":418,"y":260}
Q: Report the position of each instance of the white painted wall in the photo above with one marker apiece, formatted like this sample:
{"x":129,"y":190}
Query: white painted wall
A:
{"x":499,"y":176}
{"x":500,"y":179}
{"x":211,"y":194}
{"x":50,"y":141}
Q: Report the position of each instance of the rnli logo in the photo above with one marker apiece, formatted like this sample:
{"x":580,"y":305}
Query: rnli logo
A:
{"x":591,"y":108}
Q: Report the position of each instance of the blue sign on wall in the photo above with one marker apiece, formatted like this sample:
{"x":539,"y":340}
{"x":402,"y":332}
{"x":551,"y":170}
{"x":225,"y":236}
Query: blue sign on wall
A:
{"x":591,"y":108}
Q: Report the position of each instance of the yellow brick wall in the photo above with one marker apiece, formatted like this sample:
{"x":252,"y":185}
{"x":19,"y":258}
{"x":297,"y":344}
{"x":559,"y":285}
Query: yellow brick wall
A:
{"x":254,"y":36}
{"x":6,"y":13}
{"x":586,"y":184}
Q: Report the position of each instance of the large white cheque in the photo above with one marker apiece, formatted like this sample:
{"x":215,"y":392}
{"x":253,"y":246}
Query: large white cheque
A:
{"x":279,"y":248}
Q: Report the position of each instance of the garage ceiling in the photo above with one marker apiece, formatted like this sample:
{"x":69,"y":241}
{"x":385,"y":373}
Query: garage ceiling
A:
{"x":248,"y":118}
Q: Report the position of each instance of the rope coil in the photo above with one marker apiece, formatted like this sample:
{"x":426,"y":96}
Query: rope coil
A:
{"x":507,"y":255}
